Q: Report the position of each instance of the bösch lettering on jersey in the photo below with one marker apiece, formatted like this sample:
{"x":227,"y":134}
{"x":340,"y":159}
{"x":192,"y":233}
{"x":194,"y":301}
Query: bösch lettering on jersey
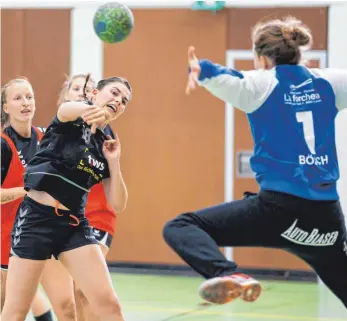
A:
{"x":313,"y":160}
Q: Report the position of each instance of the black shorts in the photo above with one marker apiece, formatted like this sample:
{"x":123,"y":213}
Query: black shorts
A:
{"x":103,"y":237}
{"x":39,"y":233}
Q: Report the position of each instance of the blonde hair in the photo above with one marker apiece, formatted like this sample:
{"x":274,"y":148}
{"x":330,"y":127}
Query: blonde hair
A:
{"x":4,"y":116}
{"x":68,"y":82}
{"x":281,"y":40}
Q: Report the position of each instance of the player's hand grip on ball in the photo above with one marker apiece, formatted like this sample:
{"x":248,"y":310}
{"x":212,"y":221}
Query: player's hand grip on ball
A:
{"x":194,"y":70}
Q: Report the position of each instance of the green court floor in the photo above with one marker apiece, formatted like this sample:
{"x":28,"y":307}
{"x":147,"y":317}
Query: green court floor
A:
{"x":164,"y":298}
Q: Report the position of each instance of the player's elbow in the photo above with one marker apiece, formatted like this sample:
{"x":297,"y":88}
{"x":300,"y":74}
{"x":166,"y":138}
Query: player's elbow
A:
{"x":119,"y":205}
{"x":119,"y":208}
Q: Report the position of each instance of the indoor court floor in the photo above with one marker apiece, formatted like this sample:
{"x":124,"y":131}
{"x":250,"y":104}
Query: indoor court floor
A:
{"x":163,"y":298}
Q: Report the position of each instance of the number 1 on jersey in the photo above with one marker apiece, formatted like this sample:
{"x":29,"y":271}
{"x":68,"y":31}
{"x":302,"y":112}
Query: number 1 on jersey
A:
{"x":306,"y":118}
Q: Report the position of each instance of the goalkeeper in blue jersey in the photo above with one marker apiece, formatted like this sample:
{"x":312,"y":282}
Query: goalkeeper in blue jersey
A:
{"x":291,"y":110}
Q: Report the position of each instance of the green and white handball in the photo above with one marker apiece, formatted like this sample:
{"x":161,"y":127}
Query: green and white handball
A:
{"x":113,"y":22}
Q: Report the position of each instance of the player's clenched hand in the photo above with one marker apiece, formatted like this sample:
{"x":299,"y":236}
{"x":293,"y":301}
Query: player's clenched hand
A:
{"x":194,"y":70}
{"x":95,"y":116}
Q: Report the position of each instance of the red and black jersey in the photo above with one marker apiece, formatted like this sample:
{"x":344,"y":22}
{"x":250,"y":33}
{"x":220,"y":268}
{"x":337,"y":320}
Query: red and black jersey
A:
{"x":16,"y":151}
{"x":98,"y":212}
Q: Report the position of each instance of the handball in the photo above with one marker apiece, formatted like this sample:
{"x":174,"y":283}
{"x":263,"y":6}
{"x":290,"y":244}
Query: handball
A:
{"x":113,"y":22}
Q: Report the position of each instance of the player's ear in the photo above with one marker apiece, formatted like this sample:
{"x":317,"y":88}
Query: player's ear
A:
{"x":95,"y":91}
{"x":5,"y":108}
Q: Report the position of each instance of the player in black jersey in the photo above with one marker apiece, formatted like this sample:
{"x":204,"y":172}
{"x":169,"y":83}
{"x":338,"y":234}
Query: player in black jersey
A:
{"x":68,"y":301}
{"x":74,"y":155}
{"x":56,"y":281}
{"x":19,"y":141}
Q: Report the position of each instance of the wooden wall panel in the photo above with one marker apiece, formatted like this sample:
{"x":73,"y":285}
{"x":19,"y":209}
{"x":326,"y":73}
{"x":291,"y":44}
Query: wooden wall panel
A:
{"x":242,"y":20}
{"x":172,"y":144}
{"x":35,"y":43}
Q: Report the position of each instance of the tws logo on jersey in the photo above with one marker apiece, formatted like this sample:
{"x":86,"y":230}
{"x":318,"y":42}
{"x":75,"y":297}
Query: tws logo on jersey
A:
{"x":95,"y":163}
{"x":89,"y":165}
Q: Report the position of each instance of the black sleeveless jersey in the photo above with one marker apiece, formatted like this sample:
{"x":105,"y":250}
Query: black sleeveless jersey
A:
{"x":68,"y":163}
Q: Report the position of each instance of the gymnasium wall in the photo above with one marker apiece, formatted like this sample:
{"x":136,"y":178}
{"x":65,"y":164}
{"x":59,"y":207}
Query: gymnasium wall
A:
{"x":172,"y":144}
{"x":35,"y":43}
{"x":183,"y":147}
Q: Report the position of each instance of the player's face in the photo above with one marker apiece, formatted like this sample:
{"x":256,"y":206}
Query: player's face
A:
{"x":20,"y":102}
{"x":75,"y":91}
{"x":116,"y":97}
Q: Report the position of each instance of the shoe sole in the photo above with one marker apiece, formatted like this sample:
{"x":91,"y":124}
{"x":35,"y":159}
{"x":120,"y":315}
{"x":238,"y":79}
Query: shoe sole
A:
{"x":225,"y":290}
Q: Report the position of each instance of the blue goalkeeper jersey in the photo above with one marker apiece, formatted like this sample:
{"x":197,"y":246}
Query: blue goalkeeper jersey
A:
{"x":291,"y":111}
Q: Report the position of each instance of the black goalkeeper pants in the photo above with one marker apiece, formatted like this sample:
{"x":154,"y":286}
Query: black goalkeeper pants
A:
{"x":313,"y":230}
